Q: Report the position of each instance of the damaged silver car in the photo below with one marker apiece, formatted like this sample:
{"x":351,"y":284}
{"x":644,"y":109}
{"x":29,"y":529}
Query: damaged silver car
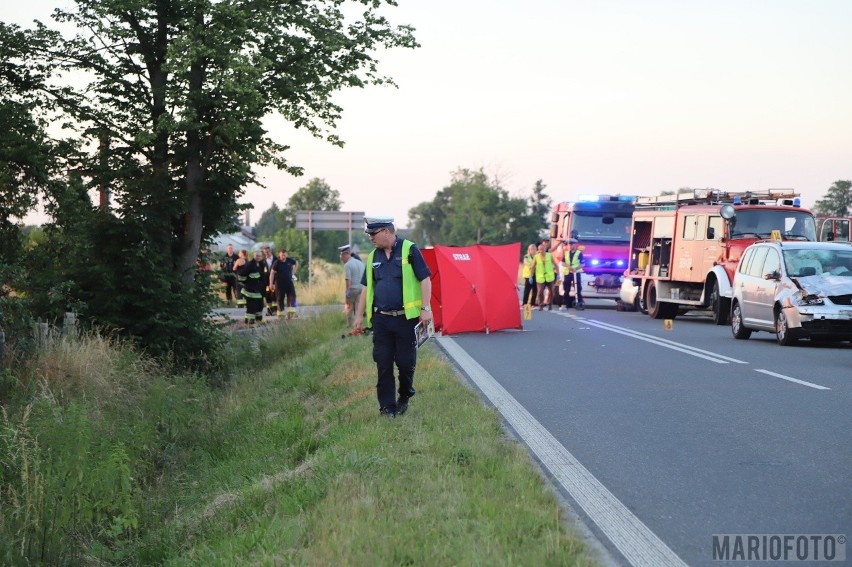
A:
{"x":795,"y":290}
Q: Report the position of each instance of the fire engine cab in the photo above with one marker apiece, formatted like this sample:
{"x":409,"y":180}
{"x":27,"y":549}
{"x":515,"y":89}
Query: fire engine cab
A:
{"x":601,"y":226}
{"x":684,"y":248}
{"x":833,"y":229}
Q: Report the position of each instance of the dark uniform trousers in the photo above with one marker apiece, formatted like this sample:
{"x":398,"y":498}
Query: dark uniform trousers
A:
{"x":393,"y":342}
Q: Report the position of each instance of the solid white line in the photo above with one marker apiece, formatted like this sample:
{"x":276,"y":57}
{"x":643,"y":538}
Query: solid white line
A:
{"x":712,"y":357}
{"x":639,"y":545}
{"x":796,"y":380}
{"x":612,"y":327}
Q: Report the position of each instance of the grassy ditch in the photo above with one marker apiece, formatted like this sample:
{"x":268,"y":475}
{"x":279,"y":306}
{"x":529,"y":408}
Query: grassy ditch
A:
{"x":290,"y":464}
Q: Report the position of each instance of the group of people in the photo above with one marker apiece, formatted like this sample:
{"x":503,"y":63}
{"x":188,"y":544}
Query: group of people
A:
{"x":542,"y":276}
{"x":261,"y":280}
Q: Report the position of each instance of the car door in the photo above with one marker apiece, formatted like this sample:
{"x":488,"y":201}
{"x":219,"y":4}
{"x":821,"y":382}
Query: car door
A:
{"x":765,"y":289}
{"x":750,"y":286}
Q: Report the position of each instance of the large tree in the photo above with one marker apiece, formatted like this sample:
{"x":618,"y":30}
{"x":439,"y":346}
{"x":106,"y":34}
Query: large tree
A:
{"x":837,"y":201}
{"x":316,"y":195}
{"x":169,"y":97}
{"x":476,"y":209}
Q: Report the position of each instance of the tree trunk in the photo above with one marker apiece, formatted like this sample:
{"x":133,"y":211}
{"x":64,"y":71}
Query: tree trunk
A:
{"x":189,"y":241}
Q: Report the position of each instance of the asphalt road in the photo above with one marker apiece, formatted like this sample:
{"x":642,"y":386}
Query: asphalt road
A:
{"x":695,"y":433}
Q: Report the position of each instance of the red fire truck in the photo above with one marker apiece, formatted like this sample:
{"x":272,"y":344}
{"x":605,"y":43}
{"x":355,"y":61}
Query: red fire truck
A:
{"x":601,"y":224}
{"x":833,"y":229}
{"x":684,"y":248}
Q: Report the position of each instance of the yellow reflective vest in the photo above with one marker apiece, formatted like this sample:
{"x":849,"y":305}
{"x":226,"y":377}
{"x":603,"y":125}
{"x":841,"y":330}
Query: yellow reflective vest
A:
{"x":544,"y":272}
{"x":411,"y":293}
{"x":528,"y":262}
{"x":572,"y":260}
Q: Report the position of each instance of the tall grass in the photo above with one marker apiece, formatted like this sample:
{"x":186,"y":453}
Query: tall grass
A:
{"x":104,"y":460}
{"x":89,"y":424}
{"x":327,"y":285}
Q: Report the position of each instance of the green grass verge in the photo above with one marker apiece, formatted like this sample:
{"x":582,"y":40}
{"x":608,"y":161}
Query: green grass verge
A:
{"x":298,"y":468}
{"x":288,"y":463}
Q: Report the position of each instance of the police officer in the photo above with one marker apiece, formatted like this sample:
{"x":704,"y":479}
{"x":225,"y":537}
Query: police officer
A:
{"x":397,"y":295}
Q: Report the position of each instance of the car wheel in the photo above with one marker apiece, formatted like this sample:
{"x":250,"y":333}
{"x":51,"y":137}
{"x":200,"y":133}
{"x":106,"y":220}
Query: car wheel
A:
{"x":721,"y":305}
{"x":782,"y":329}
{"x":737,"y":328}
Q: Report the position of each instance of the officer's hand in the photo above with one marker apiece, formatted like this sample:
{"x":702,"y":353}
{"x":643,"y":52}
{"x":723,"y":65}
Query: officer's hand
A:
{"x":425,"y":316}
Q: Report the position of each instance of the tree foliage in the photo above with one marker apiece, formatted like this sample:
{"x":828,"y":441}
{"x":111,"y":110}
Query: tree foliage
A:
{"x":269,"y":223}
{"x":316,"y":195}
{"x":475,"y":209}
{"x":837,"y":201}
{"x":168,"y":99}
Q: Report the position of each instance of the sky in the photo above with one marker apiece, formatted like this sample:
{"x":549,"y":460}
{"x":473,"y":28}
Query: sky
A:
{"x":593,"y":96}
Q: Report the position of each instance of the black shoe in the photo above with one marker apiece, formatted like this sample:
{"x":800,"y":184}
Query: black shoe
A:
{"x":401,"y":406}
{"x":387,"y":412}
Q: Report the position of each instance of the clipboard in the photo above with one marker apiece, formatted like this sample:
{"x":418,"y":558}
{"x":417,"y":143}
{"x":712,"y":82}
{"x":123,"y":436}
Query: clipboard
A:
{"x":423,"y":332}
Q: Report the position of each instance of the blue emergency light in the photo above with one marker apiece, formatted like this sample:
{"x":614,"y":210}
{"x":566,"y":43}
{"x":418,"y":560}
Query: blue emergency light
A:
{"x":797,"y":202}
{"x":737,"y":200}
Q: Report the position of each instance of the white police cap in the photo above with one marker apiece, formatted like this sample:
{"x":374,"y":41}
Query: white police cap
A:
{"x":344,"y":248}
{"x":375,"y":224}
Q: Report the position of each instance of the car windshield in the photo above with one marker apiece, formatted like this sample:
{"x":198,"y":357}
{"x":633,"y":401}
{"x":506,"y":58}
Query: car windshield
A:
{"x":815,"y":262}
{"x":757,"y":223}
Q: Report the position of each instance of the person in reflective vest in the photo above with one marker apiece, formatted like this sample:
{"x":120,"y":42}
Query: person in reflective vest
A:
{"x":528,"y":275}
{"x":397,"y":296}
{"x":573,"y":263}
{"x":545,"y":274}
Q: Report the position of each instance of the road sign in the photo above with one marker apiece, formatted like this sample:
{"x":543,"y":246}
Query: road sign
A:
{"x":325,"y":220}
{"x":328,"y":220}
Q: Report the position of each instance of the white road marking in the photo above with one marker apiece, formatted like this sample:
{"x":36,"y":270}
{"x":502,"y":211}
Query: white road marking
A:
{"x":796,"y":380}
{"x":636,"y":542}
{"x":700,"y":353}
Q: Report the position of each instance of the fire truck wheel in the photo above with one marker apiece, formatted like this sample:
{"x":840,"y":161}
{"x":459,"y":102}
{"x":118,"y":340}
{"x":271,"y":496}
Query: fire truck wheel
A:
{"x":721,"y":305}
{"x":782,"y":331}
{"x":658,"y":309}
{"x":737,"y":328}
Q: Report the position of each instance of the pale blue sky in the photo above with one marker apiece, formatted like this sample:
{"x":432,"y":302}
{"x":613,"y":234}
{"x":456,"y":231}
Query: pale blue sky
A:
{"x":594,"y":96}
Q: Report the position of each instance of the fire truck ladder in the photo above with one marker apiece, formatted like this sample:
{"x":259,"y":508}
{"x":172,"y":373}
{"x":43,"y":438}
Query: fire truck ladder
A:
{"x":718,"y":197}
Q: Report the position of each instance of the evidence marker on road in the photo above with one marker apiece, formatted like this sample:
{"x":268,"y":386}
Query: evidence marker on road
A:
{"x":668,"y":324}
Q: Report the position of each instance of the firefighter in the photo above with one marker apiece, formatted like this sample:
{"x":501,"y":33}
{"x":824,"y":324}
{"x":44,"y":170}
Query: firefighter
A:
{"x":269,"y":291}
{"x":254,"y":288}
{"x":242,"y":260}
{"x":573,"y":267}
